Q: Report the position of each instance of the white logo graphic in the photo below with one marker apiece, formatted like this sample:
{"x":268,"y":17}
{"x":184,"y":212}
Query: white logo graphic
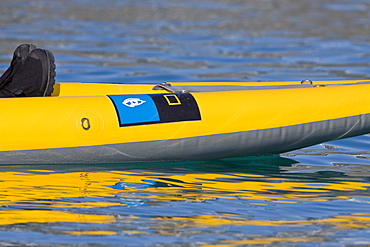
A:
{"x":133,"y":102}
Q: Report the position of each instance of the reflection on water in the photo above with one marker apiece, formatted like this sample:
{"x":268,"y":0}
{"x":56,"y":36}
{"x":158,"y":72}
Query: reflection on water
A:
{"x":318,"y":195}
{"x":235,"y":202}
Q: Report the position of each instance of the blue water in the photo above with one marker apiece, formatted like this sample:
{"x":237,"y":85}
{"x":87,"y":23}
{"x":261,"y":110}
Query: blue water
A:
{"x":317,"y":196}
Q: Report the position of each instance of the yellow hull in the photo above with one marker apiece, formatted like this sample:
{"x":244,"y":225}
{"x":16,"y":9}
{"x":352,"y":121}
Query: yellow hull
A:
{"x":99,"y":123}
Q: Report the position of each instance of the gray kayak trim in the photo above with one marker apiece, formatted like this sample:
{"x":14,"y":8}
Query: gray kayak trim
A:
{"x":256,"y":142}
{"x":222,"y":88}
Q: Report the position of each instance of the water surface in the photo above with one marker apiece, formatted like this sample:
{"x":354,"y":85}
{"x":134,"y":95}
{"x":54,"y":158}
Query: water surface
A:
{"x":317,"y":196}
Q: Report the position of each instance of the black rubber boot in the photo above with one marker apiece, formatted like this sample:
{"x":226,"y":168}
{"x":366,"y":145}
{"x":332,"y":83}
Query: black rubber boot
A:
{"x":19,"y":56}
{"x":36,"y":77}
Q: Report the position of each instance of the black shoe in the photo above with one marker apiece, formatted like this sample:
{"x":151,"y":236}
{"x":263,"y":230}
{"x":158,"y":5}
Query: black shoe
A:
{"x":36,"y":77}
{"x":19,"y":56}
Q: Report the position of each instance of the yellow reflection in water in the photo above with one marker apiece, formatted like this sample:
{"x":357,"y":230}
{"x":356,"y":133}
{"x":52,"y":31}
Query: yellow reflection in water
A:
{"x":262,"y":240}
{"x":267,"y":241}
{"x":79,"y":233}
{"x":46,"y":189}
{"x":340,"y":222}
{"x":48,"y":216}
{"x":209,"y":186}
{"x":24,"y":188}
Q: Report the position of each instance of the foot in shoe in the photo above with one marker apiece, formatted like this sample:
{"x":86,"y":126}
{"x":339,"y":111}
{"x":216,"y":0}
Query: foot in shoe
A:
{"x":19,"y":56}
{"x":36,"y":77}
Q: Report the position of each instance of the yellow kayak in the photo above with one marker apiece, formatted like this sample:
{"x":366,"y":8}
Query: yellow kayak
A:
{"x":112,"y":122}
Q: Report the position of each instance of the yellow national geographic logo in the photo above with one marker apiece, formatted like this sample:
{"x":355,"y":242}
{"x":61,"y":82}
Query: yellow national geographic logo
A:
{"x":172,"y":99}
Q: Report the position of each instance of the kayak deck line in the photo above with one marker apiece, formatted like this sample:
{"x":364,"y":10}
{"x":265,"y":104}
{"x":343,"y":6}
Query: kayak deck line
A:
{"x":93,"y":89}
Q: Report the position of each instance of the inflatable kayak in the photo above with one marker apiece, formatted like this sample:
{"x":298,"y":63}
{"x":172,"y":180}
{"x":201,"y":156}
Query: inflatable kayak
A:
{"x":112,"y":122}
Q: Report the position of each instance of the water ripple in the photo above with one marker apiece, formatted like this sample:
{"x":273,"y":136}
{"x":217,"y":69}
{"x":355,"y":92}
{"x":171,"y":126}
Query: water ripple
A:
{"x":313,"y":196}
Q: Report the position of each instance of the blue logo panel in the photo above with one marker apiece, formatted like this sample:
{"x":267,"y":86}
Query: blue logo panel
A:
{"x":135,"y":109}
{"x":142,"y":109}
